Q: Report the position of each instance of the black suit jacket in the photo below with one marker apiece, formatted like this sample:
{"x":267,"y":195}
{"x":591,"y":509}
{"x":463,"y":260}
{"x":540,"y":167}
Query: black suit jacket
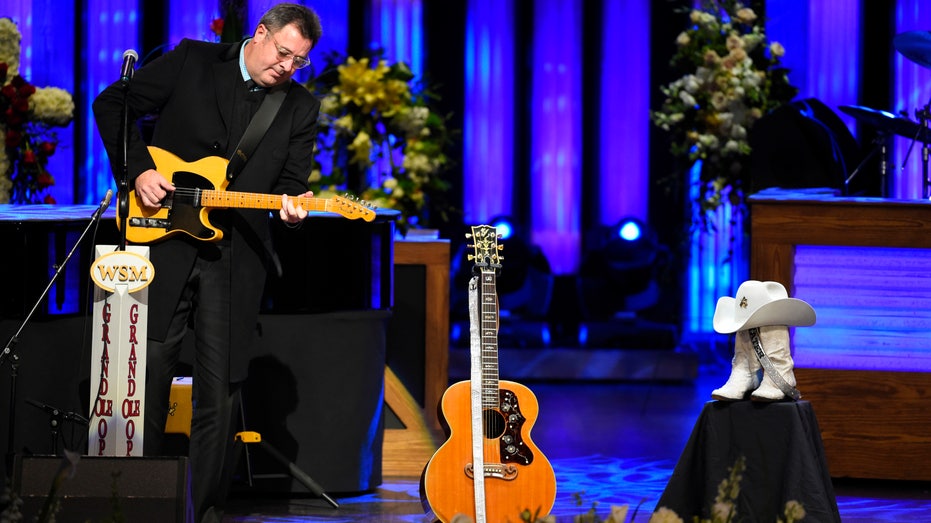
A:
{"x":191,"y":91}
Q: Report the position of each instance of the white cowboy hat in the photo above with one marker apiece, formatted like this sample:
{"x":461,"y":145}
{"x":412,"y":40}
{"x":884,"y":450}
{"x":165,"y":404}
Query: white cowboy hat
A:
{"x":760,"y":304}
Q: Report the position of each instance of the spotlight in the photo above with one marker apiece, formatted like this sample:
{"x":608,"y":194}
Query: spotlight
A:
{"x":630,"y":230}
{"x":504,"y":225}
{"x":616,"y":281}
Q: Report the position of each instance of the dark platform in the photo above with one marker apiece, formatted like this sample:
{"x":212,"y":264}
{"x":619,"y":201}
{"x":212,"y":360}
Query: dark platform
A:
{"x":784,"y":456}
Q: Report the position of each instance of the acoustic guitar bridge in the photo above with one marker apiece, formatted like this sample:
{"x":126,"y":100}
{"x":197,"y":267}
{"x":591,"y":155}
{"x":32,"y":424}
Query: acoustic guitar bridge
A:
{"x":494,"y":470}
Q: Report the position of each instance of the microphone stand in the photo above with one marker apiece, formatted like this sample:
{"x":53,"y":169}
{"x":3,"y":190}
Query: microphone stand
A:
{"x":9,"y":352}
{"x":122,"y":198}
{"x":56,"y":416}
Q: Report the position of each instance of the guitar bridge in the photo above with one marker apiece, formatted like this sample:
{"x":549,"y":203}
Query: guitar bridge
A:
{"x":149,"y":223}
{"x":494,"y":470}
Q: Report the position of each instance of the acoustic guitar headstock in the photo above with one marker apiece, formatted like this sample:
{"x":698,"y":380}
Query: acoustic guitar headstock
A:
{"x":485,"y":248}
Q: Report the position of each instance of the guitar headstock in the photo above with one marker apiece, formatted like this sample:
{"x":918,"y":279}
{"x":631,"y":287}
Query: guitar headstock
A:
{"x":351,"y":208}
{"x":485,"y":247}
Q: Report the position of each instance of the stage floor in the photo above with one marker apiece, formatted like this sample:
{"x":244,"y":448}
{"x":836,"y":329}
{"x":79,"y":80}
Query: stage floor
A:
{"x":610,"y":443}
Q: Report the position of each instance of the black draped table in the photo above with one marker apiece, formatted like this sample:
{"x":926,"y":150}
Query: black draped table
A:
{"x":784,"y":454}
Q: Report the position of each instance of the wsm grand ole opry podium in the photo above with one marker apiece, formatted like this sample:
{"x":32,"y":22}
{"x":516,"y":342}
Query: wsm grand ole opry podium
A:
{"x":317,"y":382}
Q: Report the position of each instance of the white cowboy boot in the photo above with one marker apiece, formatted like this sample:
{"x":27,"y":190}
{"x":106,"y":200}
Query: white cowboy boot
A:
{"x":775,"y":340}
{"x":745,"y":367}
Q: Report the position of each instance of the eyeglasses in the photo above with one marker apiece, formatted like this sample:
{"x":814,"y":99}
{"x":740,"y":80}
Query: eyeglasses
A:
{"x":284,"y":55}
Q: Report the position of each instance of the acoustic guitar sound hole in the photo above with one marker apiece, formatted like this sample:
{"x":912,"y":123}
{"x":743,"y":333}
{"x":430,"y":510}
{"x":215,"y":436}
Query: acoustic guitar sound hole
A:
{"x":493,"y":423}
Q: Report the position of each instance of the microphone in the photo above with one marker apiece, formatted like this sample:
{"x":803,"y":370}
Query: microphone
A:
{"x":129,"y":63}
{"x":103,"y":204}
{"x":106,"y":200}
{"x":55,"y":411}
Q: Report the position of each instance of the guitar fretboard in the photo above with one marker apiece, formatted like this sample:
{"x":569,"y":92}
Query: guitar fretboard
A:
{"x":489,"y":325}
{"x":245,"y":200}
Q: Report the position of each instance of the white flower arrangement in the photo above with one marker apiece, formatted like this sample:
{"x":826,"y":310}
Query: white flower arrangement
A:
{"x":52,"y":106}
{"x":731,"y":78}
{"x":10,"y":39}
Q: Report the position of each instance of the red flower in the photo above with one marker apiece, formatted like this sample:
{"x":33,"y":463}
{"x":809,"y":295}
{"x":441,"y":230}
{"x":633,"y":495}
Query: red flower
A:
{"x":26,"y":90}
{"x":47,"y":149}
{"x":3,"y":69}
{"x":45,"y":180}
{"x":13,"y":118}
{"x":21,"y":105}
{"x":18,"y":81}
{"x":9,"y":91}
{"x":13,"y":138}
{"x":49,"y":199}
{"x":29,"y":157}
{"x":217,"y":26}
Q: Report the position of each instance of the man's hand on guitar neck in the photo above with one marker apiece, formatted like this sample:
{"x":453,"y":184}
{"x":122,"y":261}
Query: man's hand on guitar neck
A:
{"x":151,"y":188}
{"x":291,"y":213}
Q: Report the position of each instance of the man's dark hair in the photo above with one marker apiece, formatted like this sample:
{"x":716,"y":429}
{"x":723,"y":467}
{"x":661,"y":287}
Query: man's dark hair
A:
{"x":303,"y":17}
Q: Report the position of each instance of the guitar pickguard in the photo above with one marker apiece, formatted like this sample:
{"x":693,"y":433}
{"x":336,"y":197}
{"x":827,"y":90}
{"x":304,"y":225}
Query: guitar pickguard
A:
{"x":184,"y":209}
{"x":513,"y":449}
{"x":505,"y":425}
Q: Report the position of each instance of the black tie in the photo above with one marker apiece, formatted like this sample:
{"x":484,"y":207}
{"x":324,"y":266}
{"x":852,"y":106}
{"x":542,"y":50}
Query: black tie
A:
{"x":251,"y":86}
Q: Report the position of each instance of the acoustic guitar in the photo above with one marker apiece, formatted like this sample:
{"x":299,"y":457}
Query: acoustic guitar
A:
{"x":489,"y":468}
{"x":200,"y":187}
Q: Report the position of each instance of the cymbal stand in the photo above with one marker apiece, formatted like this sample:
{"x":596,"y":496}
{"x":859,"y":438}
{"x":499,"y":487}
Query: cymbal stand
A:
{"x":924,"y":117}
{"x":880,"y":143}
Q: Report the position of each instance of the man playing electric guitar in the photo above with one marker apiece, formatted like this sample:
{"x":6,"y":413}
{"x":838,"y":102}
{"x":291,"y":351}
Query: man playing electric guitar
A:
{"x":204,"y":96}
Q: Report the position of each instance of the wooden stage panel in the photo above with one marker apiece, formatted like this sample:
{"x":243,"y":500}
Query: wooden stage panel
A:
{"x":408,"y":448}
{"x":874,"y":423}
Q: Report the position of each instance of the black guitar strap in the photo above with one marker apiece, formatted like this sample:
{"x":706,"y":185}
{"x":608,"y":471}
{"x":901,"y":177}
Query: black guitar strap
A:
{"x":259,"y":124}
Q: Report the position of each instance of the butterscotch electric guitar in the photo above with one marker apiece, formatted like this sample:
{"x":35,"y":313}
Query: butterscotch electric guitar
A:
{"x":201,"y":187}
{"x":489,"y":469}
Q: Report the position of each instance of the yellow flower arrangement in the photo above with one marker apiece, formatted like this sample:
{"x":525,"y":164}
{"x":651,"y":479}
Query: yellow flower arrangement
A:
{"x":731,"y":78}
{"x":379,"y":138}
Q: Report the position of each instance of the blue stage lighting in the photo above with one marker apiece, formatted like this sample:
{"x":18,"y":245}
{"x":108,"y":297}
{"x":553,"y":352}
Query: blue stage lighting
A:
{"x":504,"y":225}
{"x":630,"y":230}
